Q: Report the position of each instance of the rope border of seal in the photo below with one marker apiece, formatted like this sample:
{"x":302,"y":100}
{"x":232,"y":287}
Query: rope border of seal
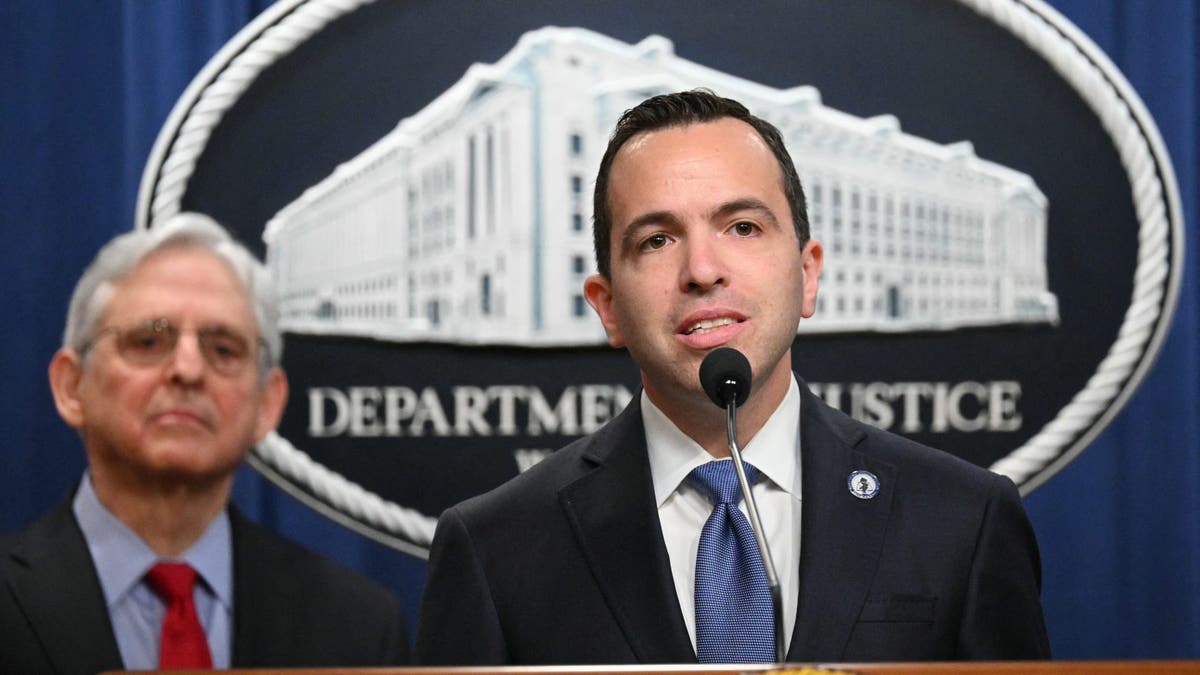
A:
{"x":1156,"y":201}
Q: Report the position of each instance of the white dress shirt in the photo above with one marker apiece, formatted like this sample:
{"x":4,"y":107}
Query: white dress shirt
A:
{"x":683,"y":510}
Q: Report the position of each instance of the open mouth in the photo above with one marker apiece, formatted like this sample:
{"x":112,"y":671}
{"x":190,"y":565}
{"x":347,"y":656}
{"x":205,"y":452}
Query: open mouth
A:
{"x":707,"y":325}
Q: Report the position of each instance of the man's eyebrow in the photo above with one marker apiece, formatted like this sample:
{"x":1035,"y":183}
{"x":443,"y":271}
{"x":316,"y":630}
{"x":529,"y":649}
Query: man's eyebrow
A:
{"x":744,"y":204}
{"x":219,"y":327}
{"x":635,"y":226}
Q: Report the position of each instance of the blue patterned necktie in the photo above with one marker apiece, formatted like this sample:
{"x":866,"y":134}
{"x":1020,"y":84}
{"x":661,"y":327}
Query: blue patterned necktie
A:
{"x":734,"y":617}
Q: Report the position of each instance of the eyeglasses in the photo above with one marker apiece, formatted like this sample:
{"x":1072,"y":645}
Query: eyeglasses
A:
{"x":150,"y":342}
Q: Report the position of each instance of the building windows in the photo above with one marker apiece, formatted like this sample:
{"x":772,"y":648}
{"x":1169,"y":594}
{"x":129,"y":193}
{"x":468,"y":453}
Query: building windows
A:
{"x":471,"y":187}
{"x":578,"y":306}
{"x":576,"y":145}
{"x":412,"y":296}
{"x":413,"y":233}
{"x":576,"y":203}
{"x":490,"y":166}
{"x":485,"y":294}
{"x":577,"y":264}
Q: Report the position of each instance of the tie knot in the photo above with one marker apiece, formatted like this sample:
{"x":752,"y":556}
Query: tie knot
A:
{"x":172,"y":581}
{"x":718,"y":480}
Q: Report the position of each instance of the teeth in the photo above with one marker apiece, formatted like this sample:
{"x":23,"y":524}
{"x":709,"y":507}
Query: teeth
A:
{"x":709,"y":324}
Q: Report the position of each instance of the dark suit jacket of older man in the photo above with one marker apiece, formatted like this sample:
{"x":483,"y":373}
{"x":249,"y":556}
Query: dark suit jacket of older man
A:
{"x":291,"y":606}
{"x":566,"y":563}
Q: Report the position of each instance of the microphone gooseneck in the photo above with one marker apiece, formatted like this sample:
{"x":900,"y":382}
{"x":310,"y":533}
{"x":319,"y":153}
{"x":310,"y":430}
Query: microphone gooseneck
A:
{"x":725,"y":375}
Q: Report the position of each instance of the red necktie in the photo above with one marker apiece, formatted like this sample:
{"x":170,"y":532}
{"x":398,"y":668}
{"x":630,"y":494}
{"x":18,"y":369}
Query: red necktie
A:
{"x":183,"y":644}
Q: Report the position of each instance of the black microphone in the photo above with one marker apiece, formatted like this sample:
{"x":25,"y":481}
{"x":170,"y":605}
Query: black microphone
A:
{"x":725,"y":375}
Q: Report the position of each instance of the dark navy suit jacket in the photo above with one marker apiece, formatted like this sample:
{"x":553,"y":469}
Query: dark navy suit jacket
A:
{"x":565,"y":564}
{"x":291,"y":606}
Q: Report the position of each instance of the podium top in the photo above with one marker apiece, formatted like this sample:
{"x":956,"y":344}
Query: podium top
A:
{"x":1172,"y":667}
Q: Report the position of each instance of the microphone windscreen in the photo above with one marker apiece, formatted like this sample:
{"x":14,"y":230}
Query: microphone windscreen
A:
{"x":725,"y":376}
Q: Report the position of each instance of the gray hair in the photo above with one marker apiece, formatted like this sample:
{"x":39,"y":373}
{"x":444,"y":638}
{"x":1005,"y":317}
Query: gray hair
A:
{"x":117,"y":259}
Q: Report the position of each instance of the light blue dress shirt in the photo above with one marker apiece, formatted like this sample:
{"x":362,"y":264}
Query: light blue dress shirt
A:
{"x":122,"y":560}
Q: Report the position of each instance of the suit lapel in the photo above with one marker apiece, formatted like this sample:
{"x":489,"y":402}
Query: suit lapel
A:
{"x":248,"y":591}
{"x":262,"y":619}
{"x":613,"y":514}
{"x":54,"y":583}
{"x":841,"y":535}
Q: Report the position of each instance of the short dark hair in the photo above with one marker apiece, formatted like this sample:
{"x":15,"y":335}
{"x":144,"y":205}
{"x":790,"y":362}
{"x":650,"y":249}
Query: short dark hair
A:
{"x":681,"y":109}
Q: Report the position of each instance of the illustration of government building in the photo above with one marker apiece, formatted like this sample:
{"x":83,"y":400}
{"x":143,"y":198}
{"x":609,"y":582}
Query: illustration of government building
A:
{"x":470,"y":222}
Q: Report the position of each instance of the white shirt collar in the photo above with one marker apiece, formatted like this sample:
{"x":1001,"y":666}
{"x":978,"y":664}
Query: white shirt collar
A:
{"x":774,"y":450}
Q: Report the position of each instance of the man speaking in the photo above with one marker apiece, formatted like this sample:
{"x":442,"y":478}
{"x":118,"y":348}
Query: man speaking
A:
{"x":631,"y":545}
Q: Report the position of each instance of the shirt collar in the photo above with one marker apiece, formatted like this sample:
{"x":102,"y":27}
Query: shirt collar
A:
{"x":774,"y":450}
{"x":122,"y":558}
{"x":212,"y":558}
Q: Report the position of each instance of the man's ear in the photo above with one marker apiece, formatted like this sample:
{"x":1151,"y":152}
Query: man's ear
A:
{"x":598,"y":291}
{"x":65,"y":371}
{"x":273,"y":394}
{"x":812,"y":256}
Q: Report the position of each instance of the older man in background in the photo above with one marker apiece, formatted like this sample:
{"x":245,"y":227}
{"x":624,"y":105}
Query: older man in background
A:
{"x":169,"y":372}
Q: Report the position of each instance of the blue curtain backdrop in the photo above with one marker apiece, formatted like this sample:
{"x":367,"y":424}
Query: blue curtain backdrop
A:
{"x":86,"y":87}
